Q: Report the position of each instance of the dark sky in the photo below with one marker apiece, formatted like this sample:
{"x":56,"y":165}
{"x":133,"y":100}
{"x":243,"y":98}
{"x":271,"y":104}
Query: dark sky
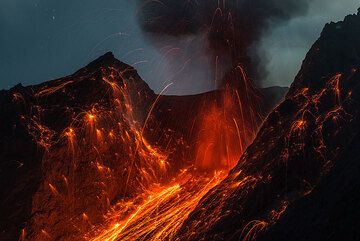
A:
{"x":47,"y":39}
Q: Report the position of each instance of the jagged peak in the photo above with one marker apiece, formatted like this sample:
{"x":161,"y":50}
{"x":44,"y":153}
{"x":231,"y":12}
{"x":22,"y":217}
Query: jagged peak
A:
{"x":108,"y":59}
{"x":338,"y":25}
{"x":104,"y":61}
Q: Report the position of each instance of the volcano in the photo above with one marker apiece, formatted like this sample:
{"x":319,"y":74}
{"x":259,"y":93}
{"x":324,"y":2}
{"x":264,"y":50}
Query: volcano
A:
{"x":100,"y":140}
{"x":97,"y":155}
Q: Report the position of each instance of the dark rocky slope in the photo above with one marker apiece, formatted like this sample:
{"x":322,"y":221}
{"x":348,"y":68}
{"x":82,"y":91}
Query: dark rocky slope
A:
{"x":299,"y":179}
{"x":331,"y":211}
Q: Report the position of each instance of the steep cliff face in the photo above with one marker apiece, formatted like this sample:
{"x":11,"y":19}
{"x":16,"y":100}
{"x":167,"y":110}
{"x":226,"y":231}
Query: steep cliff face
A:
{"x":71,"y":148}
{"x":298,"y":180}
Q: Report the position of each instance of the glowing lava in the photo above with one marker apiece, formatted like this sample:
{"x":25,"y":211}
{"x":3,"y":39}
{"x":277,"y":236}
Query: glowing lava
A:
{"x":221,"y":138}
{"x":161,"y":213}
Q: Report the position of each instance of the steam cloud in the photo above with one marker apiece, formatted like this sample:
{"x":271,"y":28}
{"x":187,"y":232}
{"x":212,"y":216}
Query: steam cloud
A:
{"x":218,"y":34}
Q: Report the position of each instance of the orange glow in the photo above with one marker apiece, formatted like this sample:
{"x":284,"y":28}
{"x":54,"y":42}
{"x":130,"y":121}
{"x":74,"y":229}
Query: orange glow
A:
{"x":298,"y":125}
{"x":91,"y":117}
{"x":221,"y":140}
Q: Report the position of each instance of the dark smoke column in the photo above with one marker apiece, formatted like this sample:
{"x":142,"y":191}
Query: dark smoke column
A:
{"x":228,"y":31}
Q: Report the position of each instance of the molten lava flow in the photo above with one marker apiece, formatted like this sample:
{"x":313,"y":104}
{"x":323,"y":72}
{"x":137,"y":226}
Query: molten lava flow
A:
{"x":161,"y":212}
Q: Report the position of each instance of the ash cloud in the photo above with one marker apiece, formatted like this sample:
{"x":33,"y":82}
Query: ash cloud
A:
{"x":227,"y":31}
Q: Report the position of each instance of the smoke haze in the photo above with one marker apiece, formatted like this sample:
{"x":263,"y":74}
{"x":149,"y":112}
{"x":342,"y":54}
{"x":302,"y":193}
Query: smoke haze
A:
{"x":228,"y":31}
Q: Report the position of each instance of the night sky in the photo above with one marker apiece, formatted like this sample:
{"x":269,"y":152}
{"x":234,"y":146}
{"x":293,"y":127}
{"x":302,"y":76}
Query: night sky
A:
{"x":47,"y":39}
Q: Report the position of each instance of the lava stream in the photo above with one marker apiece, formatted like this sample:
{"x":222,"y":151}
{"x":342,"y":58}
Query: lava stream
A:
{"x":161,"y":213}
